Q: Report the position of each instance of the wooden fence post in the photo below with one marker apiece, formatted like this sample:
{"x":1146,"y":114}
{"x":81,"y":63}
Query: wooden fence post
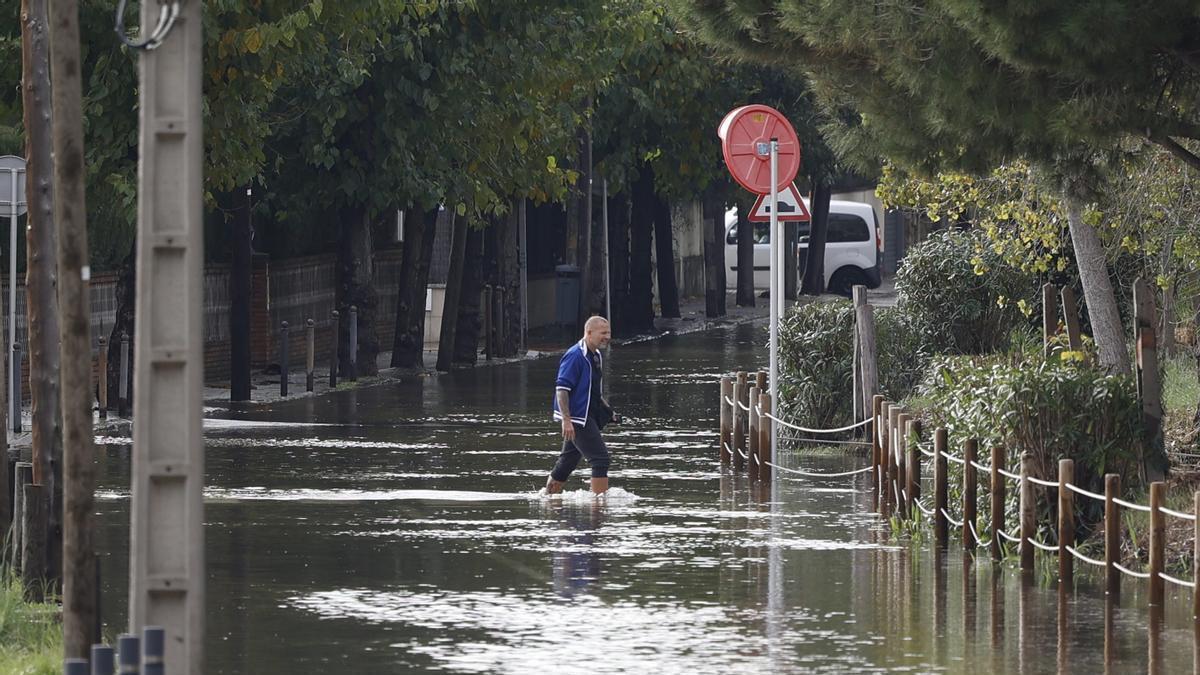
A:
{"x":1028,"y":513}
{"x":33,"y":542}
{"x":894,"y":450}
{"x":997,"y":498}
{"x":903,"y":470}
{"x":1112,"y":533}
{"x":941,"y":525}
{"x":726,"y":429}
{"x":912,"y":468}
{"x":970,"y":494}
{"x":1158,"y":536}
{"x":23,"y":476}
{"x":858,"y":298}
{"x":1066,"y":521}
{"x":876,"y":408}
{"x":1049,"y":317}
{"x":1196,"y":554}
{"x":764,"y":438}
{"x":1148,"y":386}
{"x":868,"y":368}
{"x":752,"y":434}
{"x":739,"y":421}
{"x":1071,"y":319}
{"x":760,"y":380}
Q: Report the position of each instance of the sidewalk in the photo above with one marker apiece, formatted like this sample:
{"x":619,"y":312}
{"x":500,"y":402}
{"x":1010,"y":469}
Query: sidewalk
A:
{"x":265,"y":387}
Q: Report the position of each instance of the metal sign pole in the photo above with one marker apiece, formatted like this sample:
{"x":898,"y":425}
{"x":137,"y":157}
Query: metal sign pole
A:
{"x":13,"y":406}
{"x":776,"y":293}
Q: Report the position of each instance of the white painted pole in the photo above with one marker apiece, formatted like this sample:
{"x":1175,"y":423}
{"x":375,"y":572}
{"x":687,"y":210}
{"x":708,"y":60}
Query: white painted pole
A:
{"x":776,"y":295}
{"x":13,"y":401}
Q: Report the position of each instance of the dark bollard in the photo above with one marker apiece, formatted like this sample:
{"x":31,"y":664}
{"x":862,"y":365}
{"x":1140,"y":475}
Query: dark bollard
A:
{"x":311,"y":355}
{"x":16,"y":389}
{"x":353,"y":343}
{"x":129,"y":658}
{"x":487,"y":322}
{"x":153,"y":650}
{"x":102,"y":375}
{"x":75,"y":667}
{"x":103,"y":660}
{"x":333,"y":356}
{"x":123,"y":383}
{"x":283,"y":359}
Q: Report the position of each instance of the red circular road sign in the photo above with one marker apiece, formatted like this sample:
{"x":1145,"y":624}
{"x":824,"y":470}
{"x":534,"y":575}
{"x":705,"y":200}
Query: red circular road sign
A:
{"x":746,"y":134}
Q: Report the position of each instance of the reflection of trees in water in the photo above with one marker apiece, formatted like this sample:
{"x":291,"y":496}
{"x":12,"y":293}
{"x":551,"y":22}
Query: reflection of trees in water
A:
{"x":576,"y":564}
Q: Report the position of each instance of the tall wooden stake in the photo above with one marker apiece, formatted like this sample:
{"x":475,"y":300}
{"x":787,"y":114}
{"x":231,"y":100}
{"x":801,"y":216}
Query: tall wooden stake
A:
{"x":1154,"y":459}
{"x":79,"y":472}
{"x":41,"y":271}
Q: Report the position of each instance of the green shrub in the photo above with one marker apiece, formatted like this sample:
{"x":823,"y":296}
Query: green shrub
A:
{"x":1051,"y":410}
{"x":30,"y":633}
{"x":961,"y":311}
{"x":816,"y":360}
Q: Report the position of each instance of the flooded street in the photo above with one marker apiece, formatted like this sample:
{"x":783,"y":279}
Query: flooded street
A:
{"x":398,"y":528}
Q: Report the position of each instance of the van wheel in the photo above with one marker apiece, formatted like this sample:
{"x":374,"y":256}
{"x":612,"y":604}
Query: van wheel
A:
{"x":844,"y":280}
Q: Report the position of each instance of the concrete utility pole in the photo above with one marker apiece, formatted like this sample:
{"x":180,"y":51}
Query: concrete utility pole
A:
{"x":79,"y":469}
{"x":166,"y":535}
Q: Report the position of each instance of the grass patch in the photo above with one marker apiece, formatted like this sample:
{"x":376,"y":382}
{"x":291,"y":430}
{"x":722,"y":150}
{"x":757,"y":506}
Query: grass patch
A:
{"x":1181,"y":388}
{"x":30,"y":633}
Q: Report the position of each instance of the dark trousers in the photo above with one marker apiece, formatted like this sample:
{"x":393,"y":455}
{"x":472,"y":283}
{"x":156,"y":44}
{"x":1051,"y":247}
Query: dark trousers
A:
{"x":587,"y":444}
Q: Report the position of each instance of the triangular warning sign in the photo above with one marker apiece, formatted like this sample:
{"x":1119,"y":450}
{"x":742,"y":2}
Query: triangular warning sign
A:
{"x":791,"y":207}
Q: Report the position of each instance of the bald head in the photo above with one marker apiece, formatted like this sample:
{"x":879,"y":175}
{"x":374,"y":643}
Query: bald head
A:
{"x":596,"y":332}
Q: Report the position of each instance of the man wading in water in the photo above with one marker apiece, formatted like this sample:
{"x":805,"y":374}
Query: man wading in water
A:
{"x":580,"y":406}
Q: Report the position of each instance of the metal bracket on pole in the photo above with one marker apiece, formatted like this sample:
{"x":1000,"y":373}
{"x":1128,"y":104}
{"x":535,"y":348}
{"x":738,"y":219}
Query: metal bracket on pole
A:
{"x":166,"y":535}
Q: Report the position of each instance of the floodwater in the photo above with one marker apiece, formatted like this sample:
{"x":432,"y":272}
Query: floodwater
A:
{"x":399,"y":528}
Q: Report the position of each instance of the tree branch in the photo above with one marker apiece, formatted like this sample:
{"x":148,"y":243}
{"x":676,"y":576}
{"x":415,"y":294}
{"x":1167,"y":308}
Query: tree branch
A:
{"x":1176,"y":149}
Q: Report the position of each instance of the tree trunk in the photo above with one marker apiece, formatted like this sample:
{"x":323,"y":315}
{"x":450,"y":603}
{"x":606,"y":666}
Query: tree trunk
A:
{"x":585,"y":227}
{"x":241,"y":269}
{"x":80,"y":613}
{"x":640,"y":303}
{"x":745,"y":253}
{"x":355,"y":249}
{"x":454,"y":283}
{"x":814,"y":268}
{"x":508,"y":273}
{"x":598,"y":261}
{"x":466,"y":337}
{"x":618,"y":261}
{"x":41,"y":288}
{"x":1166,"y":327}
{"x":791,"y":277}
{"x":1097,"y":289}
{"x":668,"y":288}
{"x":713,"y":217}
{"x":408,"y":340}
{"x":123,"y":323}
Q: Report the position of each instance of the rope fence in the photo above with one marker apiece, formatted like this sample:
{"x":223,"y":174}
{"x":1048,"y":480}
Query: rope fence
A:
{"x":896,"y":458}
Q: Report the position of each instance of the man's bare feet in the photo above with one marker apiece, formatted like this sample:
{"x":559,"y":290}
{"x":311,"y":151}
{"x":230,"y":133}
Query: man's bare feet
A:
{"x":554,"y":487}
{"x":599,"y":486}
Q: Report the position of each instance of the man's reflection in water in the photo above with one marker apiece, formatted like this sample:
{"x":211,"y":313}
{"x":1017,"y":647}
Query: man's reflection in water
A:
{"x":576,"y":561}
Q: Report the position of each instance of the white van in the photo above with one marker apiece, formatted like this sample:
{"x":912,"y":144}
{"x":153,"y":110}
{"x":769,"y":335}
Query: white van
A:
{"x":853,"y":248}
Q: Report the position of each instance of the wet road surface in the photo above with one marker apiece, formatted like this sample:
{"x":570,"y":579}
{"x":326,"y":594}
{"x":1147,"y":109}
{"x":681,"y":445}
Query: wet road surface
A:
{"x":399,"y":528}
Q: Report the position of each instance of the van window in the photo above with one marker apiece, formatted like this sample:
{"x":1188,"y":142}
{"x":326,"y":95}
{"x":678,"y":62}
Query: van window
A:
{"x":844,"y":227}
{"x":762,"y":234}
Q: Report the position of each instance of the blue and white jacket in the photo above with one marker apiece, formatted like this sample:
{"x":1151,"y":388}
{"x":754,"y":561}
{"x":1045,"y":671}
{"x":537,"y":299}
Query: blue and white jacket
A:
{"x":575,"y":376}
